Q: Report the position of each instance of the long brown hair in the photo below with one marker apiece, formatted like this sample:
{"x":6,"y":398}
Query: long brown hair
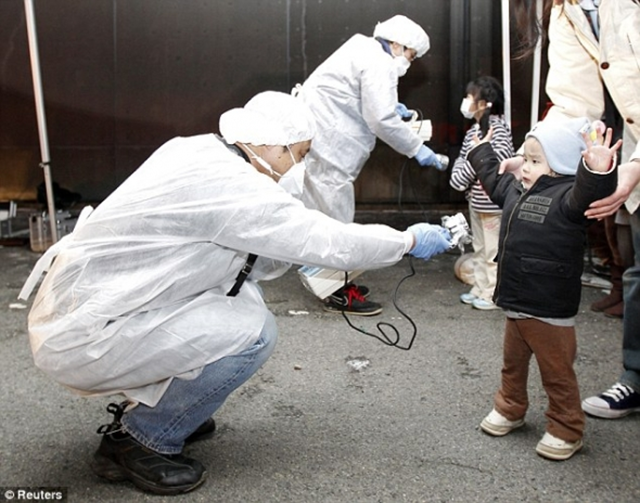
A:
{"x":529,"y":28}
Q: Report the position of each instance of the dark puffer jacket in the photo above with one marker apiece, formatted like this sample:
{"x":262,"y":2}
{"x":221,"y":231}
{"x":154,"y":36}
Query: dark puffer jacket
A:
{"x":542,"y":235}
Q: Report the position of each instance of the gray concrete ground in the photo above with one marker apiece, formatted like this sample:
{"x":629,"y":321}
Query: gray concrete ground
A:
{"x":313,"y":426}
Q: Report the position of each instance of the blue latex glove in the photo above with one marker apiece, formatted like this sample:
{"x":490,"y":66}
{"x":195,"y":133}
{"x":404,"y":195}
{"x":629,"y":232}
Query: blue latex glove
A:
{"x":403,"y":111}
{"x":427,"y":157}
{"x":430,"y":240}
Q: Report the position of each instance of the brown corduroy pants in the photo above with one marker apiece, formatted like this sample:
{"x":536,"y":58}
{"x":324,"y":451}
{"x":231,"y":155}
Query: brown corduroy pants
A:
{"x":555,"y":350}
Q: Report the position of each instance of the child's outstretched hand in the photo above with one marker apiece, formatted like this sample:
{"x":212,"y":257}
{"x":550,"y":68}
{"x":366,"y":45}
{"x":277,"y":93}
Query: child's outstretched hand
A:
{"x":599,"y":156}
{"x":487,"y":138}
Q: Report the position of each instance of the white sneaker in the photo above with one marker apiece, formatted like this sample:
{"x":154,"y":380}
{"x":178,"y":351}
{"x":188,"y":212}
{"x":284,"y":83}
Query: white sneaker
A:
{"x":497,"y":425}
{"x":551,"y":447}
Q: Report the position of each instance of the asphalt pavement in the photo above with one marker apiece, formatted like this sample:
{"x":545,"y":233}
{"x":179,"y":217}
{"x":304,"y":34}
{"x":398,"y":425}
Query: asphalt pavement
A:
{"x":336,"y":415}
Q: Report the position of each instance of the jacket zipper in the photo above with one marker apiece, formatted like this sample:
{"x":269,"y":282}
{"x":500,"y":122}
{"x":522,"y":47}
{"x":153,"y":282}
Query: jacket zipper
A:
{"x":506,"y":236}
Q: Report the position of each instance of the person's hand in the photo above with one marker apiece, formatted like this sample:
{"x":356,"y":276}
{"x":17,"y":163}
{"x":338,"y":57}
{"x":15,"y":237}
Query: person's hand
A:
{"x":475,"y":140}
{"x":599,"y":156}
{"x":628,"y":178}
{"x":403,"y":111}
{"x":429,"y":240}
{"x":512,"y":165}
{"x":427,"y":157}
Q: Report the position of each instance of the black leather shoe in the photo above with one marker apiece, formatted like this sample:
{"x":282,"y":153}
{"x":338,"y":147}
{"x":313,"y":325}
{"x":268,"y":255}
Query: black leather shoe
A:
{"x":120,"y":457}
{"x":204,"y":431}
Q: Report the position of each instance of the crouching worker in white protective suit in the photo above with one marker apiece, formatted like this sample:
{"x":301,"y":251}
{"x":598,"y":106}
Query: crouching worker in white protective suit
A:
{"x":146,"y":297}
{"x":353,"y":96}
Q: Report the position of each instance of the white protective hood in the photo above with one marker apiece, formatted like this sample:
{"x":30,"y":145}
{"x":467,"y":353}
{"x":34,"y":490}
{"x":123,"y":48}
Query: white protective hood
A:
{"x":137,"y":293}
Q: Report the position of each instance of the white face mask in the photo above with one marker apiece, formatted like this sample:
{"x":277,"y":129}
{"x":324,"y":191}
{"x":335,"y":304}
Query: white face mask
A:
{"x":293,"y":180}
{"x":465,"y":108}
{"x":402,"y":65}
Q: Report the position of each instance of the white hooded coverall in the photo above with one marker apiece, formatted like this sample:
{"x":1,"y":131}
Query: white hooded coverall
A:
{"x":352,"y":95}
{"x":136,"y":294}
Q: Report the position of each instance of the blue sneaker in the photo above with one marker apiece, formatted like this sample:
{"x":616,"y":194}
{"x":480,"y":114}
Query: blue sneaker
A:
{"x":618,"y":401}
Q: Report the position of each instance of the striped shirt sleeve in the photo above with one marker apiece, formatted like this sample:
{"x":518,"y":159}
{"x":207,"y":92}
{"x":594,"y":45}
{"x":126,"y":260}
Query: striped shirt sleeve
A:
{"x":463,"y":176}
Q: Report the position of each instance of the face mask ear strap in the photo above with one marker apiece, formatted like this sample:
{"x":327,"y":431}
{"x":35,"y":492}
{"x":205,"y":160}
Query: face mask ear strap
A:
{"x":293,"y":157}
{"x":262,"y":162}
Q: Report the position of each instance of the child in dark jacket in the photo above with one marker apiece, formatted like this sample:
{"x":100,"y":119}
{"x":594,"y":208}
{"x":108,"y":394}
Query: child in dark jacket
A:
{"x":540,"y":260}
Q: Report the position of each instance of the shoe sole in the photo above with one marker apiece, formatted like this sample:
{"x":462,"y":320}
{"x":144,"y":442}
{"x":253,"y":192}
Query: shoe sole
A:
{"x":499,"y":431}
{"x":467,"y":302}
{"x":336,"y":310}
{"x":548,"y":452}
{"x":487,"y":308}
{"x":603,"y":413}
{"x":599,"y":309}
{"x":109,"y":470}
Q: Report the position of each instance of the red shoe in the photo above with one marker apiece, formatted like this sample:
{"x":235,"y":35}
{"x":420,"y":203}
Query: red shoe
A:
{"x":349,"y":300}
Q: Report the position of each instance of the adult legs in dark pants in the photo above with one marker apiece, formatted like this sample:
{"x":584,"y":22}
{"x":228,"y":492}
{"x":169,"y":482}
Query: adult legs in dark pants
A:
{"x":623,"y":397}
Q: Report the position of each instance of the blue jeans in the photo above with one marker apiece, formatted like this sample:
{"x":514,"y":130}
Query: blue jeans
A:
{"x":188,"y":403}
{"x":631,"y":320}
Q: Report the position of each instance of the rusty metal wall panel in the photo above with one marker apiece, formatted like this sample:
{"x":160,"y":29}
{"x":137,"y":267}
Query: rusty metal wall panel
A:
{"x":181,"y":64}
{"x":122,"y":76}
{"x":17,"y":113}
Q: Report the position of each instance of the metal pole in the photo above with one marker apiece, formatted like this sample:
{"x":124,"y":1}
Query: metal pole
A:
{"x":42,"y":121}
{"x":506,"y":61}
{"x":537,"y":63}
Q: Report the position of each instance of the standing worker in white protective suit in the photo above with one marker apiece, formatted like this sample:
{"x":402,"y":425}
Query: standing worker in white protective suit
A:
{"x":147,"y":297}
{"x":353,"y":96}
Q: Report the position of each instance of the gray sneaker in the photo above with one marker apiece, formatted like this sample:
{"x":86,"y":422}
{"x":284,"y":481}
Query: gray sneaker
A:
{"x":484,"y":305}
{"x":467,"y":298}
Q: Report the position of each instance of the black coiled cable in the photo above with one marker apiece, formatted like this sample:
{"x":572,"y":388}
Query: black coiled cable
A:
{"x":383,"y":337}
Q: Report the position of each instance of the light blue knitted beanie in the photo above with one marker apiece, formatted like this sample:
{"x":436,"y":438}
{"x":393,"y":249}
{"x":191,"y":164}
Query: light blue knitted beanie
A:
{"x":561,"y":142}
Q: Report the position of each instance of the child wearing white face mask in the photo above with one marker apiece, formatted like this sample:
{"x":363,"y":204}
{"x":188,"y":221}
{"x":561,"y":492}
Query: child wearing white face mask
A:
{"x":484,"y":105}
